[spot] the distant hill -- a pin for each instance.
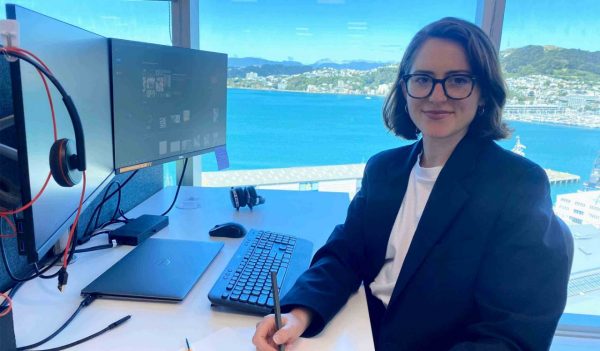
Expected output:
(238, 67)
(268, 70)
(357, 65)
(527, 60)
(255, 61)
(551, 61)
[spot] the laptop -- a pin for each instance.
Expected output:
(156, 270)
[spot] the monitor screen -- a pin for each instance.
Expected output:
(168, 103)
(79, 60)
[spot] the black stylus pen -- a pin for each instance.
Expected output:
(277, 306)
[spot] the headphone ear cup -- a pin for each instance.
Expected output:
(251, 192)
(238, 197)
(253, 198)
(60, 166)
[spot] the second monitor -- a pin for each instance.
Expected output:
(168, 103)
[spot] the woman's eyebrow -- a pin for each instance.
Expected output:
(460, 71)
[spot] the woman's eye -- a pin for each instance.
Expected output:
(459, 80)
(421, 80)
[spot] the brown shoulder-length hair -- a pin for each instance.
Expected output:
(483, 59)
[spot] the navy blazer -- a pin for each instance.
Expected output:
(488, 266)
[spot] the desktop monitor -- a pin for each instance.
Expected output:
(168, 103)
(79, 60)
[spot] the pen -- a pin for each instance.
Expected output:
(277, 306)
(188, 345)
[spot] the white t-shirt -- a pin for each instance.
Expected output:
(420, 184)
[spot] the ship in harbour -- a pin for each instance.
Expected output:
(519, 148)
(594, 182)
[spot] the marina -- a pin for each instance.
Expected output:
(314, 174)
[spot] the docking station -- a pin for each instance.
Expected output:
(139, 229)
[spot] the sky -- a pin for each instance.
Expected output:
(337, 30)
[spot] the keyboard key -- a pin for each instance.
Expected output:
(262, 300)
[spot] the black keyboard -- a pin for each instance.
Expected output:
(245, 283)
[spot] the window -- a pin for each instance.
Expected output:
(147, 21)
(307, 79)
(548, 55)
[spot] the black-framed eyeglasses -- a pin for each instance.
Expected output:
(455, 86)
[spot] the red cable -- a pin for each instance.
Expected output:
(74, 225)
(26, 206)
(51, 105)
(4, 214)
(23, 51)
(11, 225)
(9, 308)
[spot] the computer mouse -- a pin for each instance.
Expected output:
(228, 230)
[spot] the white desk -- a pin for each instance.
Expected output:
(39, 308)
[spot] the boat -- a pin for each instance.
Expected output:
(594, 182)
(518, 148)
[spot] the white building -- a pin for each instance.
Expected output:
(579, 208)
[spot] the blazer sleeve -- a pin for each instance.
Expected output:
(521, 287)
(335, 271)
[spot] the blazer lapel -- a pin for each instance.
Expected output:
(447, 198)
(385, 205)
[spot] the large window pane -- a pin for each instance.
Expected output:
(550, 55)
(307, 78)
(147, 21)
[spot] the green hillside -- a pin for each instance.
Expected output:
(551, 61)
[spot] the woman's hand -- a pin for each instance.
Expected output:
(294, 324)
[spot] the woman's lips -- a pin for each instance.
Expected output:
(437, 114)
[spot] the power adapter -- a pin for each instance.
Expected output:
(139, 229)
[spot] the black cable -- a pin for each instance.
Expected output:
(100, 233)
(11, 294)
(95, 248)
(178, 187)
(86, 302)
(57, 259)
(40, 273)
(12, 276)
(123, 215)
(114, 221)
(101, 205)
(117, 207)
(84, 237)
(80, 341)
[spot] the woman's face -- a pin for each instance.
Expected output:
(437, 116)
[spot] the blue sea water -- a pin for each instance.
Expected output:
(272, 129)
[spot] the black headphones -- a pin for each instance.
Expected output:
(67, 162)
(245, 196)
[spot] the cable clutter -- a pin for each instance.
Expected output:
(67, 167)
(67, 164)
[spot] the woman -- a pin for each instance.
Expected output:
(453, 237)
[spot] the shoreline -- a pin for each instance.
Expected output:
(507, 119)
